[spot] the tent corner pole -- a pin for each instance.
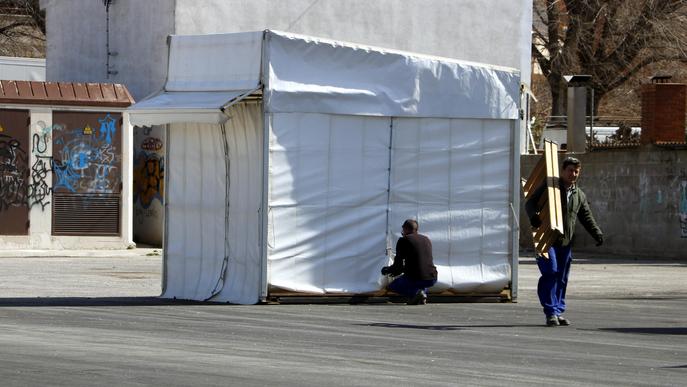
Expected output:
(515, 203)
(266, 125)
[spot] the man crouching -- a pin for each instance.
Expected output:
(414, 260)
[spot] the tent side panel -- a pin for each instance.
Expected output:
(195, 211)
(215, 62)
(244, 133)
(327, 202)
(453, 176)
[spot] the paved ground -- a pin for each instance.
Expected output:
(91, 318)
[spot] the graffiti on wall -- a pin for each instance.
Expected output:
(13, 173)
(149, 173)
(86, 159)
(682, 209)
(39, 191)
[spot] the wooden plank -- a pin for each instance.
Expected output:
(535, 177)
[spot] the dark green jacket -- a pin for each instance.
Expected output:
(578, 208)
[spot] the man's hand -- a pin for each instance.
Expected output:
(386, 270)
(535, 221)
(599, 240)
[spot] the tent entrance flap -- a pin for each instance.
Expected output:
(186, 106)
(213, 184)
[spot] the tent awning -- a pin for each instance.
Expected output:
(185, 106)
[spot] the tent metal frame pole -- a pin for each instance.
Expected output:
(266, 127)
(515, 203)
(165, 225)
(388, 188)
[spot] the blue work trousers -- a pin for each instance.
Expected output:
(554, 279)
(409, 287)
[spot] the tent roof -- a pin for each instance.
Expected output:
(305, 74)
(186, 106)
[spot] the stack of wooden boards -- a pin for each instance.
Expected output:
(549, 205)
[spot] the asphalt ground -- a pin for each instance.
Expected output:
(93, 318)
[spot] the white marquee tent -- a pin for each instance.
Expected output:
(292, 162)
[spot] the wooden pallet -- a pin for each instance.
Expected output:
(550, 208)
(381, 296)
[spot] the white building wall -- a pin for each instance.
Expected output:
(22, 69)
(488, 31)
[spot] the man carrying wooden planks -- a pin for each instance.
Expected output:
(555, 268)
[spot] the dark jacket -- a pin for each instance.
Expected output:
(414, 258)
(577, 208)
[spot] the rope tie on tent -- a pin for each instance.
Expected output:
(515, 216)
(225, 262)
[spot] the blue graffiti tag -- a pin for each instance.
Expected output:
(108, 128)
(66, 176)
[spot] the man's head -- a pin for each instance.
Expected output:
(409, 227)
(570, 171)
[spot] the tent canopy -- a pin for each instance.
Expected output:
(207, 73)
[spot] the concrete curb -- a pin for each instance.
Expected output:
(28, 253)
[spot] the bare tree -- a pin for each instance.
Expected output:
(611, 40)
(22, 28)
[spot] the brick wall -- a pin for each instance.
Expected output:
(663, 112)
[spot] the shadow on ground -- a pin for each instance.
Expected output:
(92, 301)
(442, 327)
(649, 331)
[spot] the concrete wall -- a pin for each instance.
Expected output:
(638, 197)
(77, 42)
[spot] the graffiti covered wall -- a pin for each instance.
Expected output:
(86, 153)
(149, 174)
(638, 196)
(14, 172)
(87, 173)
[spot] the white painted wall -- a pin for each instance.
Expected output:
(22, 69)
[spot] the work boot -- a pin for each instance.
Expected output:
(420, 298)
(552, 321)
(563, 321)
